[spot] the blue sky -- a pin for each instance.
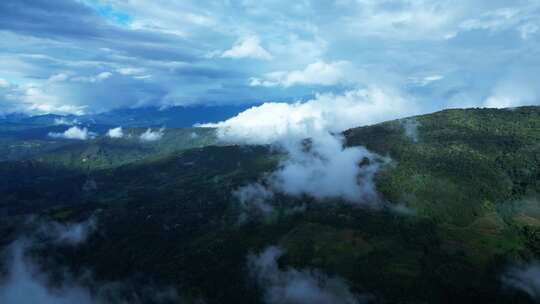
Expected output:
(87, 56)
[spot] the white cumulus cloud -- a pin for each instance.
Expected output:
(324, 169)
(150, 135)
(321, 167)
(317, 73)
(275, 121)
(249, 47)
(73, 133)
(115, 132)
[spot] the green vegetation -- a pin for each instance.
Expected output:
(102, 152)
(166, 213)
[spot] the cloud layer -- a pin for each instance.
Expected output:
(95, 55)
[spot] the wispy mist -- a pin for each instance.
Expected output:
(27, 282)
(293, 286)
(410, 126)
(68, 233)
(525, 279)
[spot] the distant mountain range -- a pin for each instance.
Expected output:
(171, 117)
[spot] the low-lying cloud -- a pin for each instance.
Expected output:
(115, 132)
(293, 286)
(149, 135)
(27, 282)
(324, 169)
(73, 133)
(278, 121)
(525, 279)
(68, 233)
(318, 164)
(410, 126)
(255, 196)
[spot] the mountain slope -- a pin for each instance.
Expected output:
(467, 183)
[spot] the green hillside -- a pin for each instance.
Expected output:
(103, 152)
(467, 184)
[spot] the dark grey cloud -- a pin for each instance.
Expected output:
(44, 18)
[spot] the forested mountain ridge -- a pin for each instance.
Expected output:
(458, 205)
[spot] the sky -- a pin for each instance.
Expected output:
(91, 56)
